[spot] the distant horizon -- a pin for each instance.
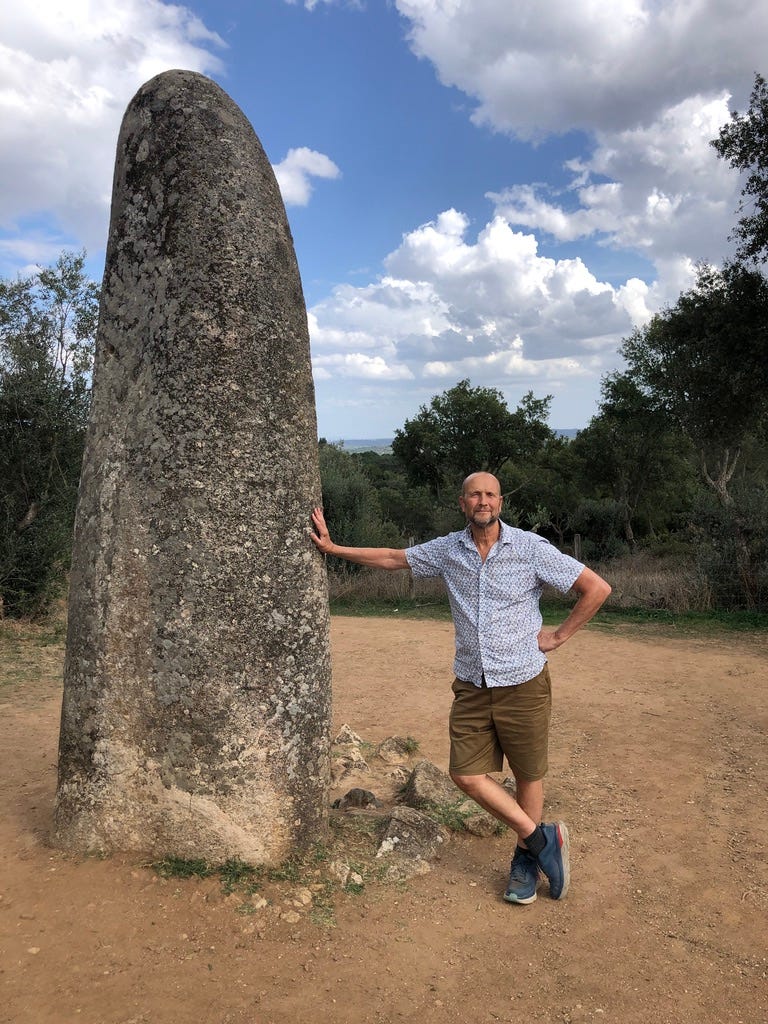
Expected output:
(373, 443)
(391, 437)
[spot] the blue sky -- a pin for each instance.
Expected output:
(477, 188)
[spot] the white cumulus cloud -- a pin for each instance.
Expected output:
(310, 5)
(491, 308)
(648, 84)
(670, 196)
(67, 73)
(539, 66)
(295, 172)
(360, 365)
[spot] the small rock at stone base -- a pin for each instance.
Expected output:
(346, 735)
(394, 750)
(357, 798)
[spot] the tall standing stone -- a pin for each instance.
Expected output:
(197, 680)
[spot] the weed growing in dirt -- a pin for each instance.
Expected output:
(183, 867)
(288, 871)
(323, 909)
(353, 887)
(411, 746)
(236, 875)
(455, 816)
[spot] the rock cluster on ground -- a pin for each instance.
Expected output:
(409, 808)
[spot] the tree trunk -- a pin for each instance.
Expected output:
(719, 479)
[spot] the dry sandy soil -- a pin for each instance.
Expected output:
(658, 764)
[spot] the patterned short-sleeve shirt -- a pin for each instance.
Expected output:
(495, 604)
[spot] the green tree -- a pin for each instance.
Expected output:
(632, 453)
(350, 501)
(47, 328)
(543, 490)
(732, 547)
(704, 362)
(409, 506)
(468, 429)
(600, 522)
(743, 143)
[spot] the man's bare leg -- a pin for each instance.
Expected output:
(530, 797)
(522, 815)
(551, 841)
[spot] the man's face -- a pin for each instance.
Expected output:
(481, 500)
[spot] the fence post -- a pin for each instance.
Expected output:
(577, 546)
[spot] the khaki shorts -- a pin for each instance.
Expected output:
(489, 723)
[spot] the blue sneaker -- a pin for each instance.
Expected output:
(523, 877)
(554, 859)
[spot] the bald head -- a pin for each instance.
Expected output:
(487, 481)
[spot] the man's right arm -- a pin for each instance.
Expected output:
(379, 558)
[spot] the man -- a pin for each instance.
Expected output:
(494, 575)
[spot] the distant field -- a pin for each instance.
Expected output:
(383, 445)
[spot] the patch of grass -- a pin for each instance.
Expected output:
(685, 622)
(289, 871)
(299, 864)
(184, 867)
(553, 612)
(319, 853)
(236, 875)
(323, 910)
(411, 746)
(452, 815)
(352, 886)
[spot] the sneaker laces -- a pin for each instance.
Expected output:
(522, 865)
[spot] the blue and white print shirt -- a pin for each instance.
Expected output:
(495, 604)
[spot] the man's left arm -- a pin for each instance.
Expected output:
(592, 590)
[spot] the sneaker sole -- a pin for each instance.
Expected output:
(565, 853)
(523, 902)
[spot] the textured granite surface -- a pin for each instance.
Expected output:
(197, 682)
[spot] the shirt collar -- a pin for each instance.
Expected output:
(506, 535)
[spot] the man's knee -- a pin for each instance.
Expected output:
(469, 784)
(528, 785)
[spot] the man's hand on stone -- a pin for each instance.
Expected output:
(321, 538)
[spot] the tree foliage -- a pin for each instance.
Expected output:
(351, 502)
(704, 361)
(47, 329)
(743, 143)
(468, 429)
(631, 452)
(731, 547)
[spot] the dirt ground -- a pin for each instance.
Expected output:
(659, 764)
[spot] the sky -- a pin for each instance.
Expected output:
(492, 190)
